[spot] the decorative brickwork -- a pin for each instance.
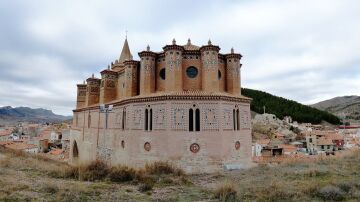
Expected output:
(182, 105)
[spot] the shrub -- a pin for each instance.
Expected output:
(146, 186)
(65, 172)
(331, 193)
(97, 170)
(226, 191)
(158, 168)
(121, 174)
(345, 186)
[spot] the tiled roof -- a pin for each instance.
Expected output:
(20, 146)
(56, 151)
(324, 141)
(5, 132)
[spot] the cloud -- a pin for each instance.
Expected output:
(302, 50)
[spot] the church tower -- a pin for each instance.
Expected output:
(173, 70)
(233, 72)
(210, 61)
(147, 71)
(92, 90)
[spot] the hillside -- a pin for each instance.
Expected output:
(283, 107)
(340, 106)
(10, 115)
(33, 178)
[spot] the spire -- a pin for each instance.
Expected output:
(232, 50)
(209, 42)
(125, 53)
(174, 42)
(148, 48)
(189, 41)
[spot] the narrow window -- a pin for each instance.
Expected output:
(123, 120)
(197, 120)
(234, 119)
(146, 119)
(191, 120)
(89, 120)
(150, 119)
(238, 119)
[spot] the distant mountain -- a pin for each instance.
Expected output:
(9, 115)
(283, 107)
(348, 106)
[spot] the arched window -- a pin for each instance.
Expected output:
(150, 120)
(162, 74)
(197, 120)
(237, 120)
(146, 119)
(75, 150)
(234, 119)
(89, 120)
(123, 119)
(191, 120)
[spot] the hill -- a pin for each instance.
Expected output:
(10, 115)
(34, 178)
(348, 106)
(283, 107)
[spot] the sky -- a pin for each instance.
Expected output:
(303, 50)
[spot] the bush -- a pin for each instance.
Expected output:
(121, 174)
(158, 168)
(226, 191)
(331, 193)
(96, 170)
(65, 172)
(146, 186)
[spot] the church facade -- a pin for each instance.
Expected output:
(182, 105)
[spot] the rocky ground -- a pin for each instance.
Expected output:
(28, 178)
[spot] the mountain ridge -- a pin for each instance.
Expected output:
(347, 107)
(11, 115)
(282, 107)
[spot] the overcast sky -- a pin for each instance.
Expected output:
(303, 50)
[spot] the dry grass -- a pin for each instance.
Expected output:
(26, 177)
(121, 174)
(159, 168)
(226, 191)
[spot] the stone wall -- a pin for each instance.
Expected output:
(207, 150)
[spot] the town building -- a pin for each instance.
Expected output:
(182, 105)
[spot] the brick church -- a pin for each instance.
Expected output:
(182, 105)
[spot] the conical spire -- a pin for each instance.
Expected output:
(125, 53)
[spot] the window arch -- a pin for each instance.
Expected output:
(236, 118)
(148, 119)
(194, 119)
(197, 119)
(191, 120)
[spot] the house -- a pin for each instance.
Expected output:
(256, 149)
(5, 134)
(289, 149)
(337, 139)
(271, 151)
(29, 148)
(325, 145)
